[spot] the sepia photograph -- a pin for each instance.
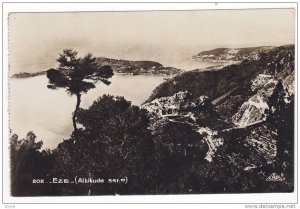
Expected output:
(174, 102)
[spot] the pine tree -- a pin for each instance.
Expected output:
(78, 75)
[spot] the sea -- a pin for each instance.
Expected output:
(48, 113)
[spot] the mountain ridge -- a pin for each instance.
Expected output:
(231, 54)
(217, 77)
(242, 100)
(121, 66)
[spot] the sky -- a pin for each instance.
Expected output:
(35, 39)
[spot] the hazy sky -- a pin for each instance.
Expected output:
(35, 39)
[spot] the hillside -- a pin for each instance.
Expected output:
(122, 67)
(211, 83)
(138, 67)
(223, 130)
(244, 114)
(215, 82)
(231, 54)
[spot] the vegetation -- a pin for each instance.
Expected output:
(122, 67)
(211, 83)
(119, 144)
(114, 143)
(166, 155)
(138, 67)
(77, 75)
(281, 118)
(29, 162)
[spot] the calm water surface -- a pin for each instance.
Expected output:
(48, 113)
(34, 107)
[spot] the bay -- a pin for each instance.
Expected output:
(48, 113)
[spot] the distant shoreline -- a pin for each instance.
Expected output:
(221, 56)
(31, 75)
(122, 67)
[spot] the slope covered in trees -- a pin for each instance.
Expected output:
(223, 131)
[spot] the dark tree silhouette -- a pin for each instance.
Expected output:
(281, 117)
(116, 142)
(78, 75)
(277, 105)
(29, 162)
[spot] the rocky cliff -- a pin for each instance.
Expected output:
(240, 111)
